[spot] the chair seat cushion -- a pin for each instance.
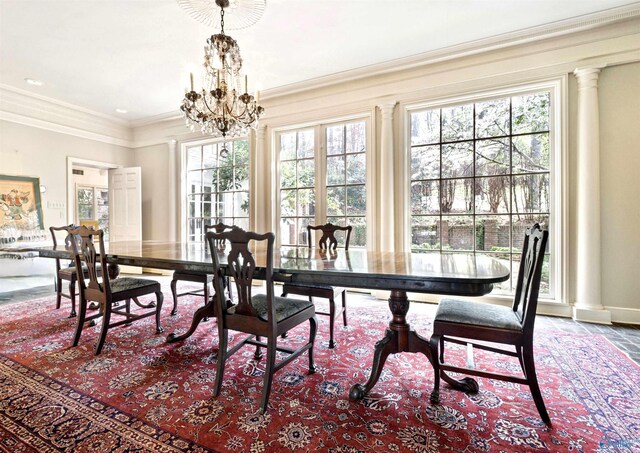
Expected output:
(477, 314)
(284, 307)
(305, 290)
(71, 270)
(129, 283)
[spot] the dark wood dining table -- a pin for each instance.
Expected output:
(459, 274)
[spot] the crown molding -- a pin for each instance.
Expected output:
(31, 109)
(67, 130)
(524, 36)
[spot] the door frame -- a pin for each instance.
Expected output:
(71, 161)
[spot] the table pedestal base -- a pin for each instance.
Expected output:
(400, 338)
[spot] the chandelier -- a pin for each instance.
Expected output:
(223, 108)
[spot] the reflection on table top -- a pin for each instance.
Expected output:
(427, 272)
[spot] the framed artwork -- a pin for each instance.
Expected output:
(20, 205)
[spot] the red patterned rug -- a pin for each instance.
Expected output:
(143, 394)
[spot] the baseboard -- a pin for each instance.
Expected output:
(624, 315)
(595, 316)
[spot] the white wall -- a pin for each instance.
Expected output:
(154, 161)
(620, 188)
(30, 151)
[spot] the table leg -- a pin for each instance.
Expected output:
(398, 338)
(201, 313)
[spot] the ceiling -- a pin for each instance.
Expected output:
(136, 55)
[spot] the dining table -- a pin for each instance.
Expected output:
(444, 273)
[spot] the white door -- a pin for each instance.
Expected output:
(125, 208)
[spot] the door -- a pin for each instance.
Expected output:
(125, 208)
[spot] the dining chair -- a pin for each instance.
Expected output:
(259, 315)
(108, 292)
(203, 278)
(466, 322)
(327, 242)
(67, 272)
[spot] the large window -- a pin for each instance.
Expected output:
(480, 175)
(323, 180)
(217, 180)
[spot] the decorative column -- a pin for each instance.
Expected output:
(588, 282)
(260, 192)
(386, 188)
(173, 214)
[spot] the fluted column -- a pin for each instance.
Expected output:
(386, 188)
(588, 280)
(172, 176)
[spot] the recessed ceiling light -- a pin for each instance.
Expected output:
(34, 82)
(121, 111)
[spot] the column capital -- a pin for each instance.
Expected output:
(587, 77)
(172, 143)
(386, 108)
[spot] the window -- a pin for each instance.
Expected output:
(217, 180)
(480, 175)
(92, 203)
(323, 182)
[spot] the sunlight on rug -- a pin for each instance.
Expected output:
(143, 394)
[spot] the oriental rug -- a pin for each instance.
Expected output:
(142, 394)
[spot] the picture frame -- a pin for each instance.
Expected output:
(20, 203)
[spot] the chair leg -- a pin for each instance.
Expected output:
(435, 344)
(159, 300)
(332, 315)
(344, 307)
(106, 319)
(206, 299)
(284, 335)
(258, 354)
(313, 328)
(81, 317)
(222, 358)
(175, 297)
(72, 294)
(532, 380)
(127, 310)
(58, 292)
(268, 372)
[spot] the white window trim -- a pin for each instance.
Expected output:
(558, 303)
(319, 128)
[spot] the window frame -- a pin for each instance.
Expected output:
(184, 189)
(320, 161)
(558, 174)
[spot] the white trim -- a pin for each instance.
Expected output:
(595, 316)
(67, 130)
(624, 315)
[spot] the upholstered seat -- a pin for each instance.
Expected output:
(473, 313)
(284, 307)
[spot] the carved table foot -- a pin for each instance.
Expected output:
(198, 316)
(398, 338)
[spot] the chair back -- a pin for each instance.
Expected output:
(241, 268)
(218, 228)
(525, 302)
(67, 239)
(85, 250)
(328, 239)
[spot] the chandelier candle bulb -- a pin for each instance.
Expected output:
(191, 77)
(246, 90)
